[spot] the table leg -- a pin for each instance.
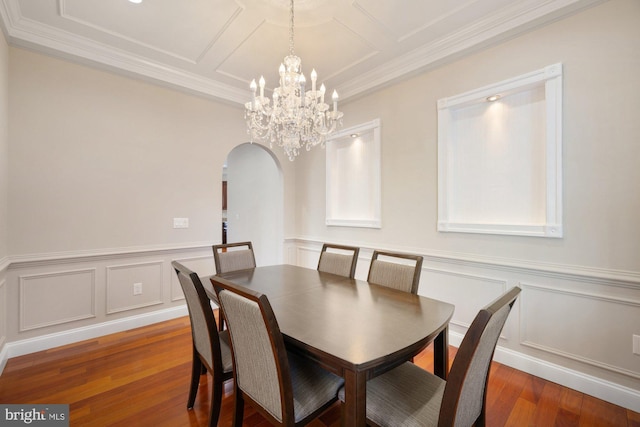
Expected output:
(354, 411)
(441, 354)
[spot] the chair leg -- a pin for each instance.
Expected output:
(238, 413)
(216, 401)
(196, 369)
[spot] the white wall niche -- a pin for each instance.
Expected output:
(500, 162)
(353, 181)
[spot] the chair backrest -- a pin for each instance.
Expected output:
(395, 275)
(204, 330)
(464, 399)
(340, 260)
(233, 256)
(261, 367)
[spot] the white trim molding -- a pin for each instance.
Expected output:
(45, 342)
(588, 384)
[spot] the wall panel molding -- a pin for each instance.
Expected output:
(469, 311)
(569, 272)
(105, 254)
(176, 289)
(120, 281)
(54, 298)
(616, 325)
(4, 264)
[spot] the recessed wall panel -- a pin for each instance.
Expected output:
(3, 309)
(53, 298)
(203, 266)
(598, 330)
(122, 281)
(469, 292)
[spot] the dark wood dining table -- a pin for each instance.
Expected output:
(352, 328)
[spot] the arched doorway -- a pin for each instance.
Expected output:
(255, 201)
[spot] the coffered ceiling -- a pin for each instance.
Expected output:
(215, 47)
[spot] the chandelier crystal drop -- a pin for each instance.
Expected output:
(297, 117)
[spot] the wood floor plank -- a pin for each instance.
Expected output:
(141, 378)
(548, 405)
(596, 412)
(521, 414)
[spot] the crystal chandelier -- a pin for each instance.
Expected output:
(297, 117)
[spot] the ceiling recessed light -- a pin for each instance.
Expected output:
(493, 98)
(354, 135)
(135, 1)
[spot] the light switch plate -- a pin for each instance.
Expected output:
(180, 222)
(636, 344)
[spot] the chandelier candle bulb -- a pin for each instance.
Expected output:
(281, 71)
(314, 77)
(253, 87)
(262, 82)
(334, 97)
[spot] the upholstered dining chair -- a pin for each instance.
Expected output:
(338, 259)
(388, 272)
(211, 351)
(233, 256)
(285, 388)
(409, 396)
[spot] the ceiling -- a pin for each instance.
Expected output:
(215, 47)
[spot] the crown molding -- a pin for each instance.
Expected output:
(516, 19)
(513, 20)
(52, 41)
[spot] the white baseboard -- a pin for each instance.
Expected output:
(593, 386)
(45, 342)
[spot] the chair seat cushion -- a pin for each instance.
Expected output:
(407, 396)
(313, 386)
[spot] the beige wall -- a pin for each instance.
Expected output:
(600, 52)
(103, 161)
(4, 185)
(4, 145)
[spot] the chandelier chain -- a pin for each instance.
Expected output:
(291, 51)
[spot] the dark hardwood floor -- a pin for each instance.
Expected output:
(141, 377)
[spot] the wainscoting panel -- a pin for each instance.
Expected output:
(572, 325)
(308, 256)
(3, 309)
(596, 332)
(203, 266)
(121, 280)
(448, 285)
(58, 297)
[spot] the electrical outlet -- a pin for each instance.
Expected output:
(636, 344)
(137, 289)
